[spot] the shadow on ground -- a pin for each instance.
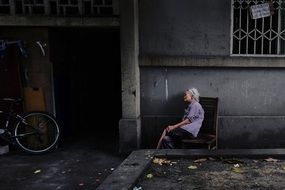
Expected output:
(83, 164)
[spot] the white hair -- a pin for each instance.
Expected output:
(194, 93)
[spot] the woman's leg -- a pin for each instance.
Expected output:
(174, 137)
(167, 143)
(160, 140)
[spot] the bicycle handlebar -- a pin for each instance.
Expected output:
(12, 100)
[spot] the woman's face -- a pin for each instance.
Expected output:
(187, 96)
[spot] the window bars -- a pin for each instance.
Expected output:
(263, 36)
(59, 7)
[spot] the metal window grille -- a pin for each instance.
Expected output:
(30, 7)
(68, 7)
(98, 7)
(263, 36)
(60, 7)
(5, 7)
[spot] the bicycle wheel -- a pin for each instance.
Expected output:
(38, 133)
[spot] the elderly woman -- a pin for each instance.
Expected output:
(189, 126)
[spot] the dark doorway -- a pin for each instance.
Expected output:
(87, 82)
(11, 68)
(10, 78)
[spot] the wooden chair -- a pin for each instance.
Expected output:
(207, 136)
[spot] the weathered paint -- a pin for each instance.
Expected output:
(184, 27)
(129, 125)
(192, 40)
(166, 87)
(245, 96)
(251, 132)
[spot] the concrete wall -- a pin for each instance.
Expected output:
(187, 43)
(242, 91)
(130, 124)
(184, 27)
(251, 106)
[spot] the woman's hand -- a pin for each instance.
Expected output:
(170, 128)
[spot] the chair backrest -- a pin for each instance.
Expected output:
(210, 106)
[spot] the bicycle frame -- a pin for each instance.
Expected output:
(17, 118)
(8, 117)
(33, 132)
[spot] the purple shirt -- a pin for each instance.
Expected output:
(195, 113)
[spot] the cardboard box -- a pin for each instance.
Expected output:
(34, 99)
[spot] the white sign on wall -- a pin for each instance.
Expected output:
(260, 11)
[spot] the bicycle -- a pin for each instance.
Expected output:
(33, 132)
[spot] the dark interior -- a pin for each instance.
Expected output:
(87, 82)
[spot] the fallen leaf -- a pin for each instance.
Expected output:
(161, 161)
(200, 160)
(211, 158)
(149, 176)
(192, 167)
(236, 165)
(179, 179)
(37, 171)
(237, 170)
(271, 160)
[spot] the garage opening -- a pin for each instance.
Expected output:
(87, 83)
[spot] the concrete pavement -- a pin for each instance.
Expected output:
(75, 165)
(127, 174)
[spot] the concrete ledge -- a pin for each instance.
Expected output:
(4, 149)
(211, 61)
(248, 153)
(128, 173)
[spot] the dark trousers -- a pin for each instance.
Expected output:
(173, 138)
